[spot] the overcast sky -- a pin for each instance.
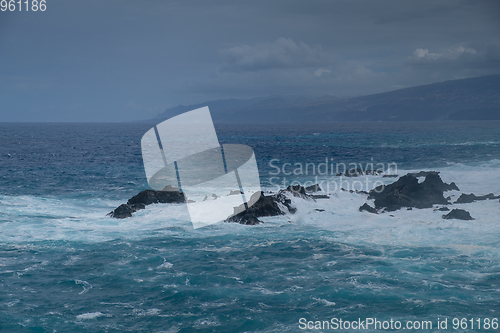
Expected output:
(97, 60)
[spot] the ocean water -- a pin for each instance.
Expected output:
(67, 267)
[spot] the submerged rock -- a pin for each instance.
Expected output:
(458, 214)
(126, 210)
(354, 191)
(468, 198)
(408, 192)
(360, 172)
(367, 208)
(319, 196)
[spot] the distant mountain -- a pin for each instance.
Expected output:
(465, 99)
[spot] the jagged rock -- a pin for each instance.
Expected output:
(264, 206)
(450, 187)
(296, 191)
(319, 210)
(138, 206)
(148, 197)
(313, 188)
(468, 198)
(458, 214)
(408, 192)
(389, 176)
(122, 212)
(144, 198)
(443, 209)
(354, 191)
(367, 208)
(269, 205)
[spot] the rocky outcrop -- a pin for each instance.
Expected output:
(408, 192)
(313, 188)
(458, 214)
(264, 206)
(468, 198)
(146, 197)
(271, 205)
(368, 209)
(125, 210)
(424, 173)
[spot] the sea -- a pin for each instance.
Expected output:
(65, 266)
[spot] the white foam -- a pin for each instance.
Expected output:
(29, 218)
(91, 315)
(417, 227)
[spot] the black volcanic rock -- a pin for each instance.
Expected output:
(468, 198)
(270, 205)
(367, 208)
(265, 206)
(408, 192)
(122, 211)
(444, 186)
(146, 197)
(458, 214)
(313, 188)
(450, 187)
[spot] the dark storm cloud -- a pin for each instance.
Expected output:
(122, 60)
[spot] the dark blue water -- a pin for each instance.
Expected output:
(66, 267)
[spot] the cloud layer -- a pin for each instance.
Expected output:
(120, 60)
(282, 53)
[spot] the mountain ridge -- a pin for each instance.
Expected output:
(461, 99)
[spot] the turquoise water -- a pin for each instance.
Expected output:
(66, 267)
